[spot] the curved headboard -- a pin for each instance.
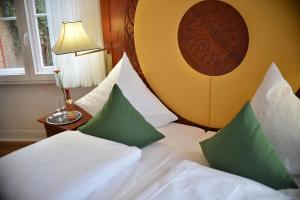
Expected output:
(147, 31)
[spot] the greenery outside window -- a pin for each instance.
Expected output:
(11, 56)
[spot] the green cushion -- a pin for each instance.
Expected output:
(241, 148)
(121, 122)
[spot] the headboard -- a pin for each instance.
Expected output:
(147, 31)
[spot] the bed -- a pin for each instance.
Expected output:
(145, 144)
(101, 160)
(156, 160)
(162, 158)
(142, 178)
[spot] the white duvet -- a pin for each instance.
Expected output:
(189, 180)
(70, 165)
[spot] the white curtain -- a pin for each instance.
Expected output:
(86, 70)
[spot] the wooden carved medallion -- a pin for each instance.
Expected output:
(213, 37)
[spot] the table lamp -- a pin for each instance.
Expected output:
(73, 39)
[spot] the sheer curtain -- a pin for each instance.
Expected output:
(86, 70)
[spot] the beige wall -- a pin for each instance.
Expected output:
(22, 105)
(274, 35)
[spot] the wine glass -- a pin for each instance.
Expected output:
(63, 107)
(58, 109)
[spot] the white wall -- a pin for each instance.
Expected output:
(22, 105)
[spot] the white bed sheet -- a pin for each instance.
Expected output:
(189, 180)
(289, 192)
(181, 143)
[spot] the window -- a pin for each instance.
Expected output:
(11, 58)
(27, 29)
(40, 36)
(25, 41)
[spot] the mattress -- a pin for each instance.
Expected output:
(181, 143)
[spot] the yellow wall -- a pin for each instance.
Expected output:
(274, 35)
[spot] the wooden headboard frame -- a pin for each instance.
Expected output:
(298, 93)
(118, 30)
(118, 34)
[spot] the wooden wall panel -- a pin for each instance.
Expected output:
(118, 30)
(113, 15)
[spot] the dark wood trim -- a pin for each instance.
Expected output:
(7, 147)
(104, 6)
(113, 17)
(298, 93)
(181, 120)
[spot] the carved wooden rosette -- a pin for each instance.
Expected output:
(213, 37)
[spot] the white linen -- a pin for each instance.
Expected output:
(141, 97)
(278, 110)
(133, 88)
(94, 101)
(69, 165)
(181, 142)
(189, 180)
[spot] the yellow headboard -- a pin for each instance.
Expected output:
(274, 35)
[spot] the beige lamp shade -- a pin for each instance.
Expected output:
(74, 39)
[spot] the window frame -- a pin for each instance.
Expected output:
(30, 76)
(32, 17)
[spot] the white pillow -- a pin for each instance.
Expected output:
(133, 89)
(94, 101)
(278, 110)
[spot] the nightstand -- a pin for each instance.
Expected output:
(54, 129)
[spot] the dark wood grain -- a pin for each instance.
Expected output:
(129, 44)
(53, 129)
(298, 93)
(118, 31)
(113, 20)
(105, 20)
(7, 147)
(213, 37)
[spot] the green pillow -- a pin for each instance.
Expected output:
(241, 148)
(121, 122)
